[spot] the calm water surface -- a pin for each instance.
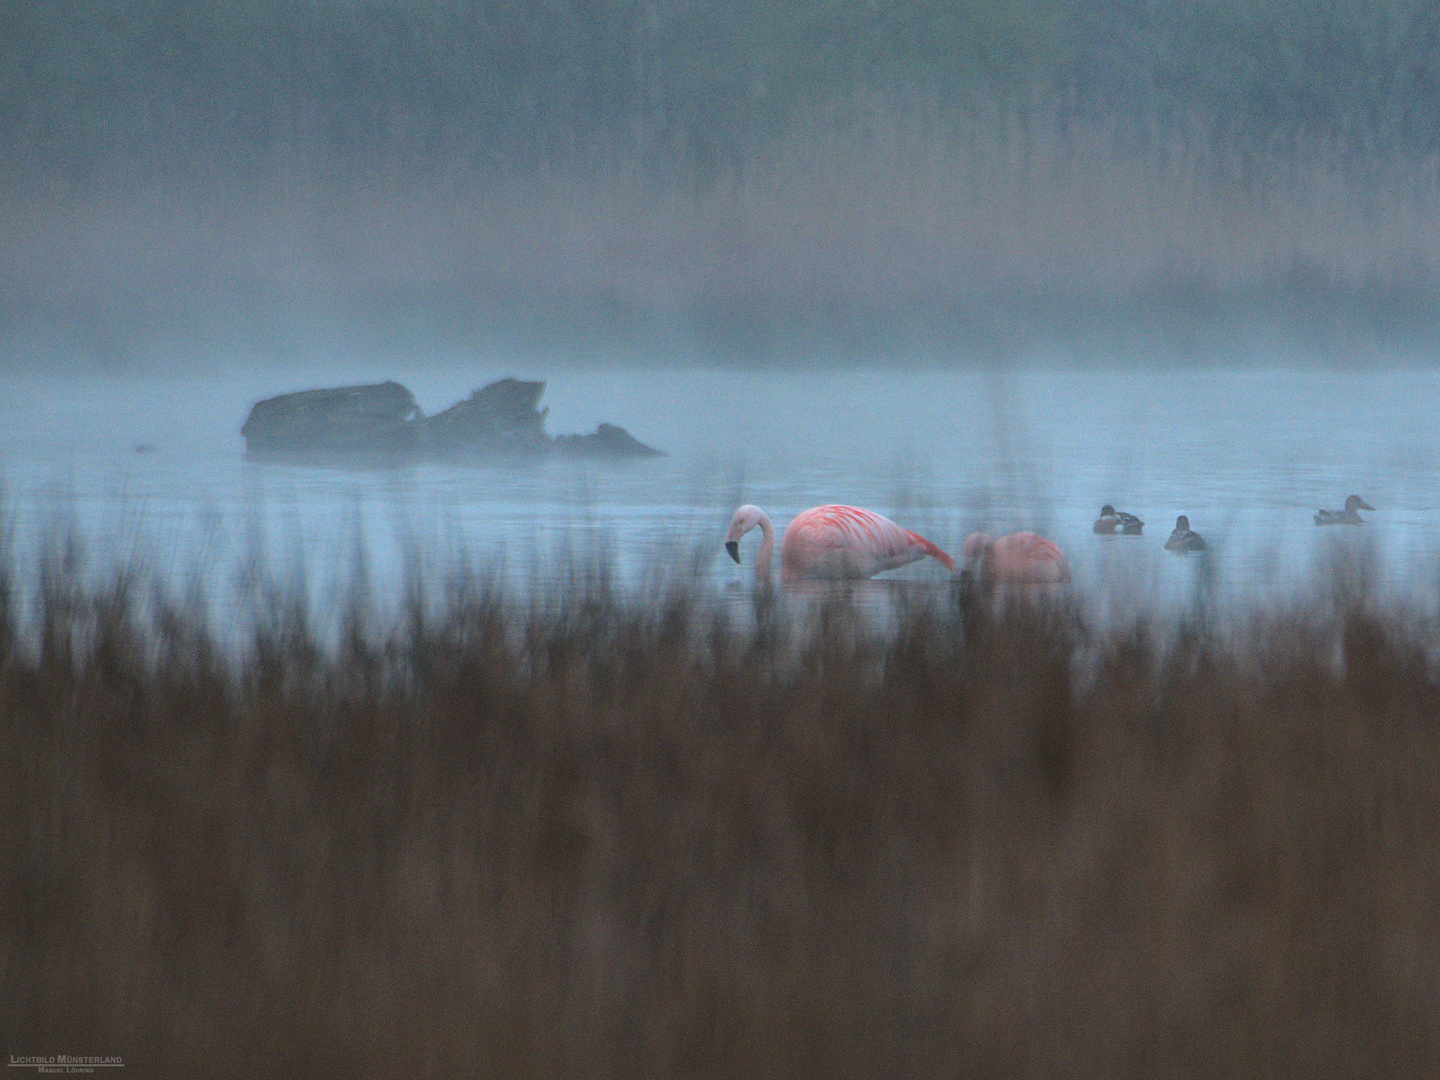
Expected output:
(1248, 456)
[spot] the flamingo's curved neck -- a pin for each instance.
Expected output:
(767, 548)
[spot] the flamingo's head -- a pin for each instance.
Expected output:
(1355, 502)
(977, 544)
(1182, 524)
(745, 519)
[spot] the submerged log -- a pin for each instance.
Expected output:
(499, 418)
(502, 418)
(381, 418)
(607, 440)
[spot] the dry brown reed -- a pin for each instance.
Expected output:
(601, 838)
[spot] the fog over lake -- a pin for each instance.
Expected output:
(972, 267)
(151, 473)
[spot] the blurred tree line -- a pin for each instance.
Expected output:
(92, 88)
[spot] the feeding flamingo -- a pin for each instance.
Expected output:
(831, 542)
(1021, 557)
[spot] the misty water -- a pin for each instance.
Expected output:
(150, 474)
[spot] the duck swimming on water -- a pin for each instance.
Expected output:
(1183, 539)
(1117, 521)
(1348, 516)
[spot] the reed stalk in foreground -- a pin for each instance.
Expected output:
(592, 838)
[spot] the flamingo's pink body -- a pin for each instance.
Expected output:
(832, 542)
(1018, 557)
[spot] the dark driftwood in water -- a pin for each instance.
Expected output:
(501, 418)
(347, 420)
(606, 441)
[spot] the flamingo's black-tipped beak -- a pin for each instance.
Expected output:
(733, 547)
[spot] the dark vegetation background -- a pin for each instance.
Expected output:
(749, 180)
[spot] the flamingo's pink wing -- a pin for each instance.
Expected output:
(852, 541)
(1025, 556)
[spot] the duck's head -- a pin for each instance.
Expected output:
(1182, 524)
(1107, 511)
(1354, 502)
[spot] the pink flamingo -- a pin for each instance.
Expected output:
(1018, 557)
(831, 542)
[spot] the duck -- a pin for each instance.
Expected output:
(1348, 516)
(1183, 539)
(1117, 521)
